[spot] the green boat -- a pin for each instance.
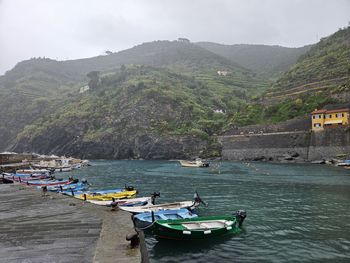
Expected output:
(200, 227)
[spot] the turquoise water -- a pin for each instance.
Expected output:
(296, 212)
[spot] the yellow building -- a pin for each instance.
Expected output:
(323, 119)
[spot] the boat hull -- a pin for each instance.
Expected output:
(181, 230)
(168, 206)
(144, 220)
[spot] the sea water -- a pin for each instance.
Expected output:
(295, 212)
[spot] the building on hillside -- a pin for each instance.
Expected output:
(222, 73)
(329, 118)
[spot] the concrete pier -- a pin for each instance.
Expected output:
(56, 228)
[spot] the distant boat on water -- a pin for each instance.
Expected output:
(196, 163)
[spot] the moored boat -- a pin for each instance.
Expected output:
(145, 220)
(196, 163)
(32, 171)
(124, 202)
(199, 228)
(69, 187)
(167, 206)
(106, 196)
(47, 182)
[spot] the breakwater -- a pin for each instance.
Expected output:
(54, 228)
(294, 145)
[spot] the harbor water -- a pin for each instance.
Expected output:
(295, 212)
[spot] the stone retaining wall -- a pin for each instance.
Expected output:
(276, 146)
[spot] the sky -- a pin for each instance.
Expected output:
(70, 29)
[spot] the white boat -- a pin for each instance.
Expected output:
(63, 169)
(124, 202)
(32, 171)
(167, 206)
(196, 163)
(344, 163)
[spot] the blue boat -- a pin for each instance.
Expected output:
(145, 220)
(69, 187)
(99, 192)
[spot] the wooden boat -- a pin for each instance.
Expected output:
(26, 177)
(167, 206)
(107, 196)
(199, 228)
(47, 183)
(63, 169)
(69, 187)
(124, 202)
(32, 171)
(144, 220)
(196, 163)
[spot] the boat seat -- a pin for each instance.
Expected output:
(206, 225)
(191, 226)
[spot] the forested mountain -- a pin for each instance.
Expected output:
(40, 87)
(164, 99)
(262, 59)
(133, 113)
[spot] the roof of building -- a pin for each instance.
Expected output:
(337, 106)
(330, 111)
(318, 111)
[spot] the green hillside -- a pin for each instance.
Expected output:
(129, 104)
(39, 87)
(324, 68)
(321, 76)
(262, 59)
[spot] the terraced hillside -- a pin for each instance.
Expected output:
(270, 61)
(325, 68)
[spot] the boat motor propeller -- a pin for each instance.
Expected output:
(240, 216)
(198, 200)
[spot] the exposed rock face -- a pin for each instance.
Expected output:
(61, 142)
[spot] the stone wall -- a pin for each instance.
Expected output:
(329, 144)
(300, 145)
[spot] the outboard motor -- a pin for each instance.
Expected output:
(240, 216)
(153, 197)
(198, 200)
(129, 188)
(84, 181)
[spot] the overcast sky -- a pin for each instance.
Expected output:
(69, 29)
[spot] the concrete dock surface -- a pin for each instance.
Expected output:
(54, 228)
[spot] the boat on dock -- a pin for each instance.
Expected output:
(196, 163)
(199, 227)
